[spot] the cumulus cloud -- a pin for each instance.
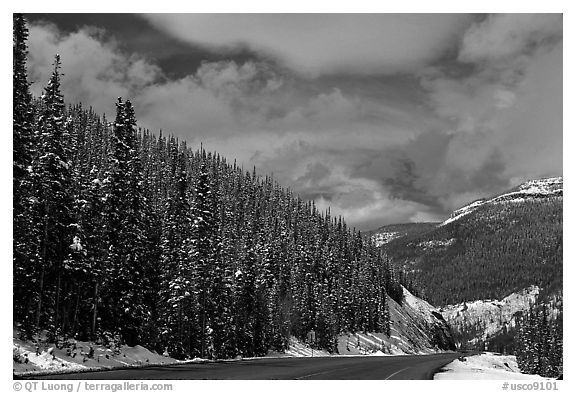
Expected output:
(95, 70)
(324, 43)
(506, 116)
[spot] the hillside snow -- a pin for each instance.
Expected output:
(551, 187)
(488, 317)
(416, 327)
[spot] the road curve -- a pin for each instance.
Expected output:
(323, 368)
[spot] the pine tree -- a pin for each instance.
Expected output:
(23, 149)
(126, 236)
(52, 171)
(177, 296)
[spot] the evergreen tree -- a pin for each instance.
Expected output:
(538, 341)
(126, 235)
(52, 179)
(23, 148)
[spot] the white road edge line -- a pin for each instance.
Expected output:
(399, 371)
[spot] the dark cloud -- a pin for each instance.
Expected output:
(135, 35)
(317, 44)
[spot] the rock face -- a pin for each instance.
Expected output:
(416, 327)
(421, 319)
(477, 321)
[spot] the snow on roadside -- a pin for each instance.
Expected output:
(74, 357)
(490, 366)
(45, 360)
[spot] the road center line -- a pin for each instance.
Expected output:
(399, 371)
(322, 372)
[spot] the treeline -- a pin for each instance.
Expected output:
(121, 235)
(488, 254)
(539, 340)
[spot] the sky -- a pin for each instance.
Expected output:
(384, 118)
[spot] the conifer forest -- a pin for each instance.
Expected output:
(122, 235)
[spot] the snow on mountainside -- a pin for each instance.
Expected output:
(488, 317)
(384, 237)
(532, 189)
(387, 233)
(551, 187)
(416, 327)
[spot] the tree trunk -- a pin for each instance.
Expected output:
(42, 273)
(57, 307)
(76, 307)
(40, 294)
(95, 311)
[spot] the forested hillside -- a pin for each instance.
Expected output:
(488, 249)
(123, 235)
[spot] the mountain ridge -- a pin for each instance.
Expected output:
(488, 248)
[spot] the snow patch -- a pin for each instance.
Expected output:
(463, 211)
(385, 237)
(437, 244)
(45, 360)
(77, 355)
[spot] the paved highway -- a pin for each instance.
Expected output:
(327, 368)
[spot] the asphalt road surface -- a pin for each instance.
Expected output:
(327, 368)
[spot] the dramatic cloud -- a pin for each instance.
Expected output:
(507, 115)
(376, 148)
(324, 43)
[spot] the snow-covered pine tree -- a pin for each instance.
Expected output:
(178, 297)
(538, 341)
(23, 152)
(22, 114)
(53, 181)
(206, 255)
(126, 234)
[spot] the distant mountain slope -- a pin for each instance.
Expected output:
(533, 189)
(489, 248)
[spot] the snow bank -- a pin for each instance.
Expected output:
(485, 366)
(76, 357)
